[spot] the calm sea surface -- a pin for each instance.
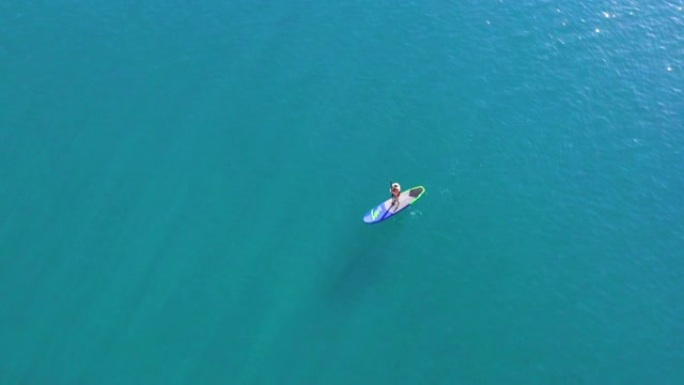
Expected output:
(182, 187)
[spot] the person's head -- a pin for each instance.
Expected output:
(395, 186)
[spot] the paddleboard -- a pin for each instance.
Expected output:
(383, 212)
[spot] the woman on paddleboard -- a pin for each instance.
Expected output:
(395, 190)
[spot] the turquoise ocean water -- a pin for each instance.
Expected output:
(183, 185)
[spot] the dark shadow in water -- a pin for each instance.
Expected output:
(358, 263)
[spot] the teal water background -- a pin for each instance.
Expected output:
(183, 185)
